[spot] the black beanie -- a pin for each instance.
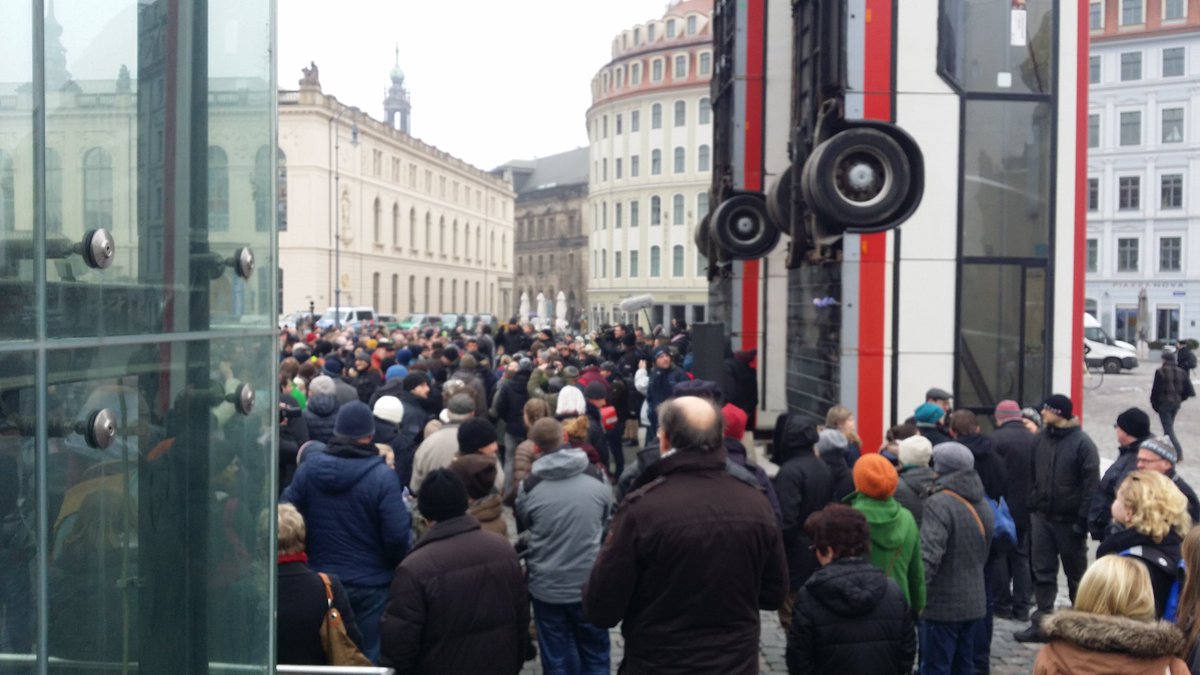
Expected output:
(443, 496)
(1134, 422)
(413, 380)
(474, 435)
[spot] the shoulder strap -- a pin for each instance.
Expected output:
(974, 513)
(328, 589)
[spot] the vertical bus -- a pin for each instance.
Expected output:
(898, 203)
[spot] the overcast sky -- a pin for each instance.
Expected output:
(490, 81)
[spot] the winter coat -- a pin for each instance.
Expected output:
(344, 391)
(1100, 510)
(913, 488)
(935, 433)
(366, 384)
(737, 454)
(850, 618)
(804, 486)
(1095, 644)
(354, 510)
(510, 404)
(320, 416)
(953, 548)
(523, 458)
(1066, 471)
(478, 474)
(1185, 358)
(1160, 558)
(662, 382)
(435, 452)
(840, 475)
(895, 545)
(457, 605)
(476, 388)
(592, 374)
(565, 504)
(1193, 502)
(489, 511)
(988, 464)
(1172, 387)
(302, 608)
(1015, 444)
(741, 384)
(678, 614)
(291, 436)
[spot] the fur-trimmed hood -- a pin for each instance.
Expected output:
(1097, 632)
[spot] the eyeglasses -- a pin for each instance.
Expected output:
(1150, 460)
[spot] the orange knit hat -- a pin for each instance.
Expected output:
(875, 477)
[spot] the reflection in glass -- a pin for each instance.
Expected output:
(97, 189)
(989, 350)
(218, 189)
(8, 195)
(977, 52)
(54, 191)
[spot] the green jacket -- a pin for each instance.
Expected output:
(895, 545)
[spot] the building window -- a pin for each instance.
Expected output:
(616, 264)
(677, 261)
(1172, 191)
(604, 126)
(377, 223)
(218, 189)
(618, 124)
(412, 228)
(655, 210)
(1129, 194)
(691, 25)
(671, 28)
(656, 70)
(1172, 62)
(654, 262)
(617, 169)
(703, 159)
(395, 226)
(617, 220)
(680, 113)
(1096, 15)
(1093, 194)
(604, 215)
(604, 169)
(1131, 66)
(705, 63)
(635, 167)
(1131, 127)
(635, 74)
(705, 110)
(677, 210)
(655, 162)
(681, 64)
(701, 205)
(1174, 10)
(1127, 255)
(652, 32)
(635, 120)
(603, 264)
(1170, 254)
(1093, 131)
(8, 193)
(656, 116)
(1093, 70)
(633, 264)
(1168, 324)
(1131, 12)
(680, 160)
(1093, 254)
(1172, 125)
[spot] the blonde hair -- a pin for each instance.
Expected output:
(836, 417)
(1116, 585)
(576, 428)
(1154, 504)
(291, 529)
(535, 409)
(1189, 597)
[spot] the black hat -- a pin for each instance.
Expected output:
(413, 380)
(450, 353)
(705, 389)
(474, 435)
(333, 366)
(354, 420)
(594, 390)
(1134, 422)
(443, 496)
(1059, 405)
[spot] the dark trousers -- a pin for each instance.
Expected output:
(983, 627)
(569, 645)
(1013, 581)
(616, 448)
(1050, 542)
(1166, 415)
(948, 647)
(368, 604)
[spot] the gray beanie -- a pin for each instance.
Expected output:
(950, 457)
(322, 384)
(831, 439)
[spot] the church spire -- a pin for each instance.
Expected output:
(396, 105)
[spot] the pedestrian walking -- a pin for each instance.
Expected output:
(1172, 386)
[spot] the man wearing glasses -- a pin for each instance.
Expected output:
(1157, 454)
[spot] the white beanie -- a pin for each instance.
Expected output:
(571, 402)
(915, 451)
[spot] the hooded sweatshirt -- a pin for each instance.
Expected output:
(320, 415)
(895, 545)
(565, 504)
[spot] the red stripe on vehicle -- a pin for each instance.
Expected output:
(752, 163)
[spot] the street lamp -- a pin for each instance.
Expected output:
(337, 213)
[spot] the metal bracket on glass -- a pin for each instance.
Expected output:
(242, 399)
(97, 248)
(242, 262)
(99, 430)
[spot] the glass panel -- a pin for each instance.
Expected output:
(1034, 387)
(18, 503)
(1006, 197)
(989, 349)
(978, 56)
(17, 299)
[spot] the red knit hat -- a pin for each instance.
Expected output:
(875, 477)
(735, 421)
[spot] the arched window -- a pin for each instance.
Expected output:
(218, 189)
(701, 205)
(680, 113)
(541, 265)
(656, 116)
(704, 159)
(377, 210)
(454, 239)
(655, 210)
(442, 236)
(395, 224)
(453, 295)
(467, 241)
(680, 160)
(655, 262)
(441, 296)
(54, 191)
(705, 63)
(504, 250)
(492, 247)
(262, 189)
(428, 307)
(412, 228)
(677, 261)
(677, 210)
(8, 193)
(412, 293)
(395, 294)
(603, 263)
(705, 110)
(428, 233)
(655, 162)
(479, 243)
(375, 290)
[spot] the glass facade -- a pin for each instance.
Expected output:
(140, 190)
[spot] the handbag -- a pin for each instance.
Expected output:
(340, 650)
(609, 418)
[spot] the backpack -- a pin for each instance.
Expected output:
(1147, 555)
(1004, 535)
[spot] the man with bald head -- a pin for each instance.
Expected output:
(692, 555)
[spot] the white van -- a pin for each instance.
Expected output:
(1101, 351)
(351, 317)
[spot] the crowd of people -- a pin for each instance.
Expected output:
(466, 496)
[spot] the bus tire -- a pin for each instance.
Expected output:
(858, 177)
(742, 228)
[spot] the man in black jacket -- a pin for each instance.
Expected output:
(1066, 471)
(1132, 427)
(1172, 387)
(1013, 581)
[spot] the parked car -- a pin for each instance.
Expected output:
(295, 318)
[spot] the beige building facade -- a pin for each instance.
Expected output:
(650, 127)
(417, 230)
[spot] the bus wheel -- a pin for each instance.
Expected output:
(741, 227)
(859, 177)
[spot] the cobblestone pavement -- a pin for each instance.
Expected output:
(1102, 404)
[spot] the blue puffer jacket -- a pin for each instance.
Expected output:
(357, 521)
(320, 414)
